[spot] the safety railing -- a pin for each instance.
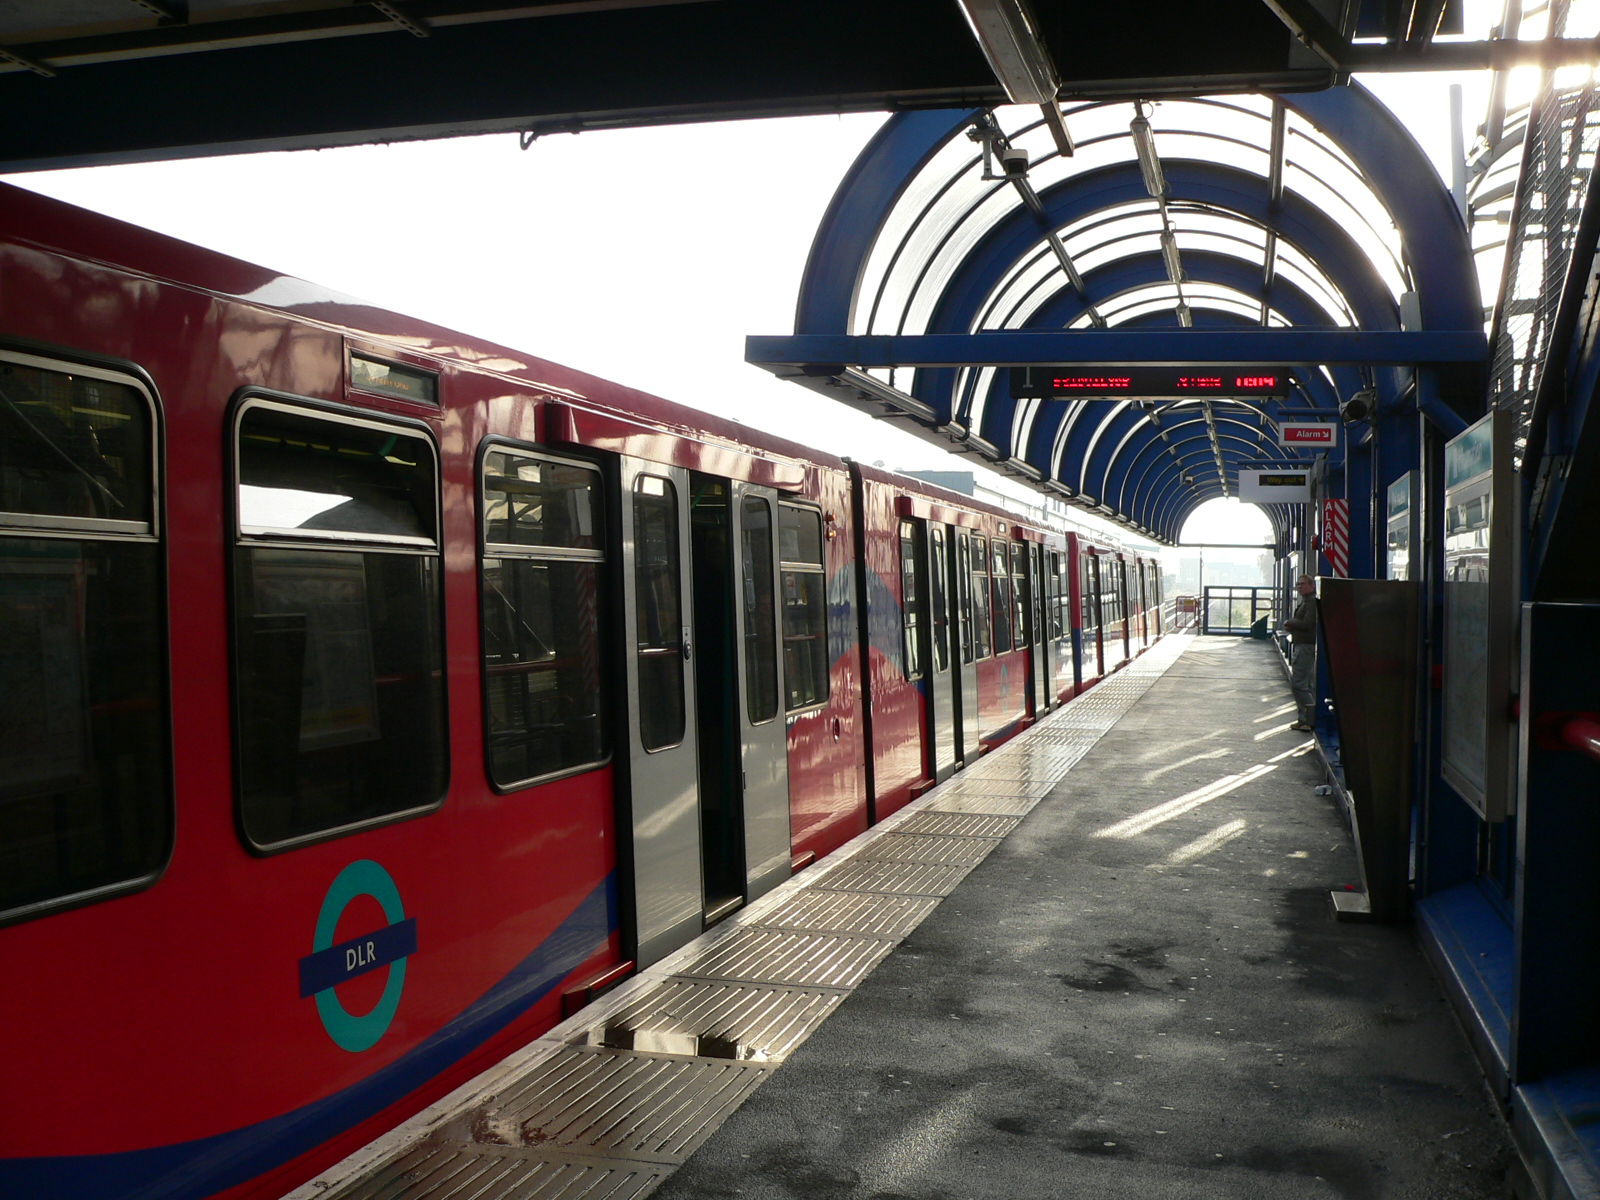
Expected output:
(1180, 613)
(1238, 610)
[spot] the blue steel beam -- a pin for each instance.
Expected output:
(827, 354)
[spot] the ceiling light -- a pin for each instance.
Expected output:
(1169, 256)
(1144, 145)
(1010, 41)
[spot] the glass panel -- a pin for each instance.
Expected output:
(1002, 598)
(760, 617)
(307, 475)
(980, 597)
(938, 587)
(1089, 598)
(910, 602)
(530, 502)
(964, 596)
(73, 446)
(800, 536)
(85, 799)
(1022, 599)
(340, 688)
(659, 627)
(541, 655)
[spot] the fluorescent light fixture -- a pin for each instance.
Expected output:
(1144, 145)
(1010, 41)
(1169, 256)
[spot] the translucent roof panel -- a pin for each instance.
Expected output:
(961, 197)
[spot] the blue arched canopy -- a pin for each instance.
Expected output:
(1307, 230)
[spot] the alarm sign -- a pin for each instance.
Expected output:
(1307, 433)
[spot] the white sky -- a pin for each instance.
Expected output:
(644, 256)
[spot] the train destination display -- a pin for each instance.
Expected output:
(1102, 381)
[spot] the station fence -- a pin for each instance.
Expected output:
(1237, 610)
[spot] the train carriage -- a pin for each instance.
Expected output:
(376, 695)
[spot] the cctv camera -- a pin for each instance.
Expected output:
(1014, 161)
(1359, 407)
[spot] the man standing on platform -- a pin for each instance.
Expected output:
(1302, 630)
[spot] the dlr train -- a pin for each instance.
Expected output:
(371, 697)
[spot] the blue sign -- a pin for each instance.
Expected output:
(331, 964)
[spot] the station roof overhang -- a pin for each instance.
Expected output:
(87, 82)
(1299, 230)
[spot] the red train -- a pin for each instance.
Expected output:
(371, 695)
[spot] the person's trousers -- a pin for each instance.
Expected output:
(1303, 678)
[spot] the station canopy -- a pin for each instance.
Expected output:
(1201, 233)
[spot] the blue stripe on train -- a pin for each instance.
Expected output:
(189, 1170)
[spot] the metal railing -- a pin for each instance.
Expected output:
(1237, 610)
(1180, 613)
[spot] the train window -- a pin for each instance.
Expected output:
(338, 659)
(938, 589)
(910, 602)
(805, 607)
(760, 618)
(1000, 582)
(543, 594)
(981, 633)
(964, 596)
(1058, 610)
(1089, 597)
(85, 791)
(1021, 595)
(658, 624)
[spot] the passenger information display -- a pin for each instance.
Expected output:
(1098, 381)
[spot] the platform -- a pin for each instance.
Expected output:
(1101, 962)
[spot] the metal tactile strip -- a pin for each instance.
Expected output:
(454, 1171)
(909, 879)
(917, 848)
(966, 802)
(614, 1104)
(865, 913)
(756, 955)
(950, 824)
(1032, 789)
(749, 1023)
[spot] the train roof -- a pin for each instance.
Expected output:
(82, 233)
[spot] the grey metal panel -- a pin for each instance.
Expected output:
(867, 914)
(755, 955)
(949, 824)
(905, 847)
(909, 879)
(664, 791)
(614, 1104)
(453, 1170)
(717, 1020)
(767, 839)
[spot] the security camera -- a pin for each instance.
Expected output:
(1014, 161)
(1359, 407)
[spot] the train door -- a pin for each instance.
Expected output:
(765, 742)
(664, 787)
(966, 672)
(1040, 645)
(1093, 641)
(941, 682)
(743, 747)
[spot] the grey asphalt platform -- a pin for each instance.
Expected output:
(1140, 993)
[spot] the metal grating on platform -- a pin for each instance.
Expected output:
(907, 879)
(967, 802)
(434, 1170)
(707, 1019)
(605, 1106)
(868, 914)
(613, 1104)
(916, 848)
(949, 824)
(756, 955)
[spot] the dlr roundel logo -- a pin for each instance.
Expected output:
(330, 964)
